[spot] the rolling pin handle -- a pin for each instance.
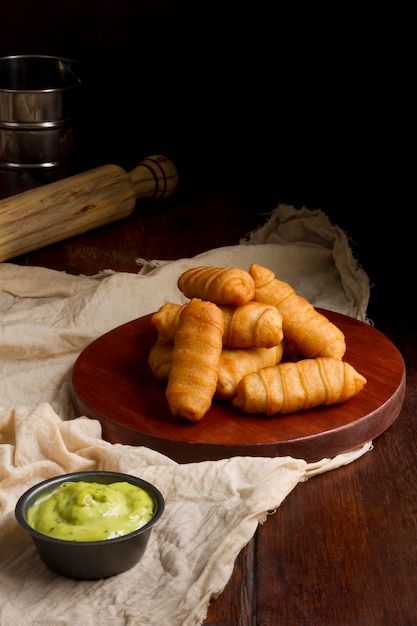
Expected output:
(154, 177)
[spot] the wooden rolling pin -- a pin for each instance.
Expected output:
(71, 206)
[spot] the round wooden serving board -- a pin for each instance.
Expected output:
(112, 382)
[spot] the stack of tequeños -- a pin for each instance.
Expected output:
(250, 339)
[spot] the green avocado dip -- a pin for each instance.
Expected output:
(84, 511)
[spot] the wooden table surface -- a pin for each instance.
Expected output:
(341, 550)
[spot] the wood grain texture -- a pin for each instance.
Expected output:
(74, 205)
(112, 382)
(341, 550)
(38, 217)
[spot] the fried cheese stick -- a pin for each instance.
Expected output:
(252, 325)
(305, 329)
(289, 387)
(195, 364)
(236, 363)
(166, 319)
(221, 285)
(160, 359)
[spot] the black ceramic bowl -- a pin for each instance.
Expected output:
(90, 559)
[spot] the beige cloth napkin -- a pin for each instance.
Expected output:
(212, 508)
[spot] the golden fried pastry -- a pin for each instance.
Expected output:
(289, 387)
(235, 364)
(221, 285)
(166, 320)
(305, 329)
(160, 359)
(195, 364)
(252, 325)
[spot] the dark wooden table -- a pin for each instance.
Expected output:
(341, 550)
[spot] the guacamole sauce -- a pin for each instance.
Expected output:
(84, 511)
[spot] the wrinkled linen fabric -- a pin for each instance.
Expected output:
(309, 252)
(212, 510)
(47, 317)
(213, 507)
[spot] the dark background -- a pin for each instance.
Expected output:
(307, 104)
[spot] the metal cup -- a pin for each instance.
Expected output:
(39, 97)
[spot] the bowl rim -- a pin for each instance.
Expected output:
(70, 64)
(34, 491)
